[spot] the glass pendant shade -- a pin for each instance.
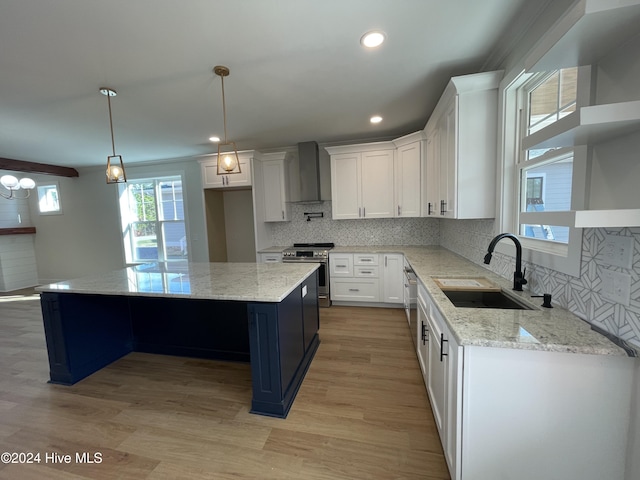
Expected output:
(10, 182)
(115, 170)
(228, 161)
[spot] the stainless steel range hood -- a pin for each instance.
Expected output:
(309, 159)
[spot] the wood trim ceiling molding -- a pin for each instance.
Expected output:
(33, 167)
(18, 231)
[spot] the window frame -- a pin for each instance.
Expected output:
(49, 183)
(123, 203)
(558, 256)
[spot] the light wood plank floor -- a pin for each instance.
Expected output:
(362, 411)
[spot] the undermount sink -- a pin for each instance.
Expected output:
(484, 299)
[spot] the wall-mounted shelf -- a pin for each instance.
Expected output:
(584, 34)
(18, 231)
(588, 125)
(607, 218)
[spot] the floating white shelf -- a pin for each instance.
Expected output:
(607, 218)
(588, 125)
(589, 30)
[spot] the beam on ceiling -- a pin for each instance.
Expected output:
(33, 167)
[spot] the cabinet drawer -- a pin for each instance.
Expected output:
(271, 257)
(341, 264)
(365, 259)
(355, 290)
(362, 271)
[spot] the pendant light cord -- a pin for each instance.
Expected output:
(113, 143)
(224, 110)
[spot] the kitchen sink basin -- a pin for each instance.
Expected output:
(484, 299)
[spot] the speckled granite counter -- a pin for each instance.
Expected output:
(249, 282)
(554, 329)
(273, 249)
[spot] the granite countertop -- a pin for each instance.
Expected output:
(550, 329)
(249, 282)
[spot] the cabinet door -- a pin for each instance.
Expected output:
(210, 177)
(393, 278)
(377, 184)
(408, 179)
(274, 191)
(436, 380)
(345, 186)
(453, 408)
(242, 179)
(447, 164)
(271, 257)
(433, 174)
(422, 335)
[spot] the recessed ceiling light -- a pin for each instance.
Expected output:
(214, 139)
(372, 39)
(375, 119)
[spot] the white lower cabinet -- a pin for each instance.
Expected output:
(366, 277)
(524, 414)
(392, 278)
(354, 277)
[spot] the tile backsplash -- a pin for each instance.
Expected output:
(470, 238)
(381, 231)
(583, 295)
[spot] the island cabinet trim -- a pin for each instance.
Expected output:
(86, 332)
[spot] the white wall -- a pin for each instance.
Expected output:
(86, 238)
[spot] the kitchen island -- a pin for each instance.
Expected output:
(262, 314)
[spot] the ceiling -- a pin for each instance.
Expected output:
(298, 72)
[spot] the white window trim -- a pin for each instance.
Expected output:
(565, 258)
(46, 184)
(123, 224)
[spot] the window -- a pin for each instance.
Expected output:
(49, 199)
(153, 221)
(543, 186)
(545, 99)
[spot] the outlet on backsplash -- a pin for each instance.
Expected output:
(618, 251)
(616, 286)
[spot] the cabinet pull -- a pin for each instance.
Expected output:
(429, 208)
(425, 337)
(366, 271)
(341, 266)
(365, 259)
(354, 289)
(443, 207)
(283, 214)
(442, 341)
(398, 210)
(364, 211)
(385, 260)
(359, 212)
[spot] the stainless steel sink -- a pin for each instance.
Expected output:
(484, 299)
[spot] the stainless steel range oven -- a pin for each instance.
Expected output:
(313, 253)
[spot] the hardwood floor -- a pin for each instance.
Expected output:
(362, 411)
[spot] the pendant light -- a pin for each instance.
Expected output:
(228, 161)
(115, 172)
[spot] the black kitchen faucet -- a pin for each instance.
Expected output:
(518, 275)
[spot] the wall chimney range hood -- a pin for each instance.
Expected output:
(309, 161)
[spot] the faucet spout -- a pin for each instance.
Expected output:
(518, 275)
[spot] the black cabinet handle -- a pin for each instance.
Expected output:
(443, 207)
(429, 208)
(442, 341)
(425, 333)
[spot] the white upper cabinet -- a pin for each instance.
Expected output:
(461, 146)
(362, 181)
(275, 173)
(379, 180)
(211, 179)
(409, 180)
